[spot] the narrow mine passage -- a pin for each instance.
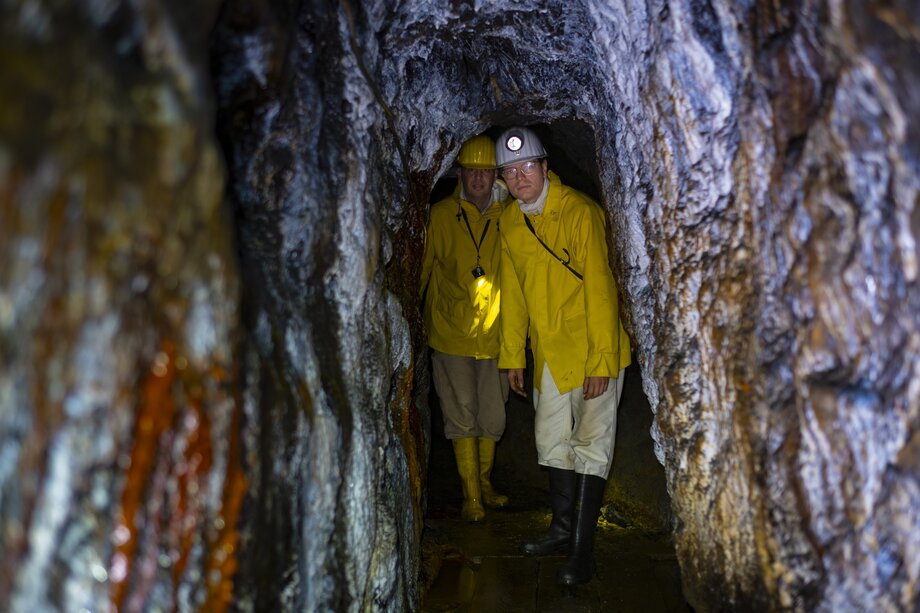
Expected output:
(478, 566)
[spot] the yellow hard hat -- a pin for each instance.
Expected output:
(477, 152)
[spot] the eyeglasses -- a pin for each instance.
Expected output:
(527, 168)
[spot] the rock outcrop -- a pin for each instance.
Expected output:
(121, 479)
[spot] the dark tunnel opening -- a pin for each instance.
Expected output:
(636, 498)
(392, 166)
(637, 494)
(570, 146)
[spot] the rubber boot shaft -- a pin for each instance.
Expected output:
(562, 497)
(466, 451)
(490, 497)
(579, 567)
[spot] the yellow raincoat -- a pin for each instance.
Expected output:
(574, 325)
(461, 312)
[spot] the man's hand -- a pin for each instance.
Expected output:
(593, 386)
(516, 381)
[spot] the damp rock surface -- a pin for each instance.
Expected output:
(321, 197)
(120, 473)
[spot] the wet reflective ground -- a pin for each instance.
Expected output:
(477, 567)
(483, 571)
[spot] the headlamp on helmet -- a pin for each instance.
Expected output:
(518, 144)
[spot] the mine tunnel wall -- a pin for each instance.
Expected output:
(210, 398)
(329, 381)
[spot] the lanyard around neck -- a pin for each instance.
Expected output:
(470, 230)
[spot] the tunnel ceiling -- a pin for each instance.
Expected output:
(213, 397)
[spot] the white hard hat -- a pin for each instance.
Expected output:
(517, 144)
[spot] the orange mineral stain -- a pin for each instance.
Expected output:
(191, 477)
(173, 402)
(222, 560)
(154, 416)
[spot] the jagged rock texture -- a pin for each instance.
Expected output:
(759, 164)
(333, 516)
(120, 472)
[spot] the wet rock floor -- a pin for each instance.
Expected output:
(477, 567)
(481, 569)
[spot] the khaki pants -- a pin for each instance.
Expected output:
(472, 394)
(574, 433)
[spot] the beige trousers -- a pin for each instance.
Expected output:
(574, 433)
(472, 394)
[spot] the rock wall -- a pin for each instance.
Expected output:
(782, 307)
(120, 472)
(326, 233)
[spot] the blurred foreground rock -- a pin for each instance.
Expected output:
(120, 467)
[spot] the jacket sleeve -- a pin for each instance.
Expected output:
(601, 299)
(514, 318)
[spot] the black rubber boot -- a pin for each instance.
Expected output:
(579, 568)
(562, 497)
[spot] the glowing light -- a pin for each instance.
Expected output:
(121, 535)
(119, 568)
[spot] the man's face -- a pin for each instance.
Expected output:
(525, 187)
(477, 182)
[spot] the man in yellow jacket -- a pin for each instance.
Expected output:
(461, 313)
(557, 285)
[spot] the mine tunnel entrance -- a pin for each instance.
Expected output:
(635, 501)
(329, 229)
